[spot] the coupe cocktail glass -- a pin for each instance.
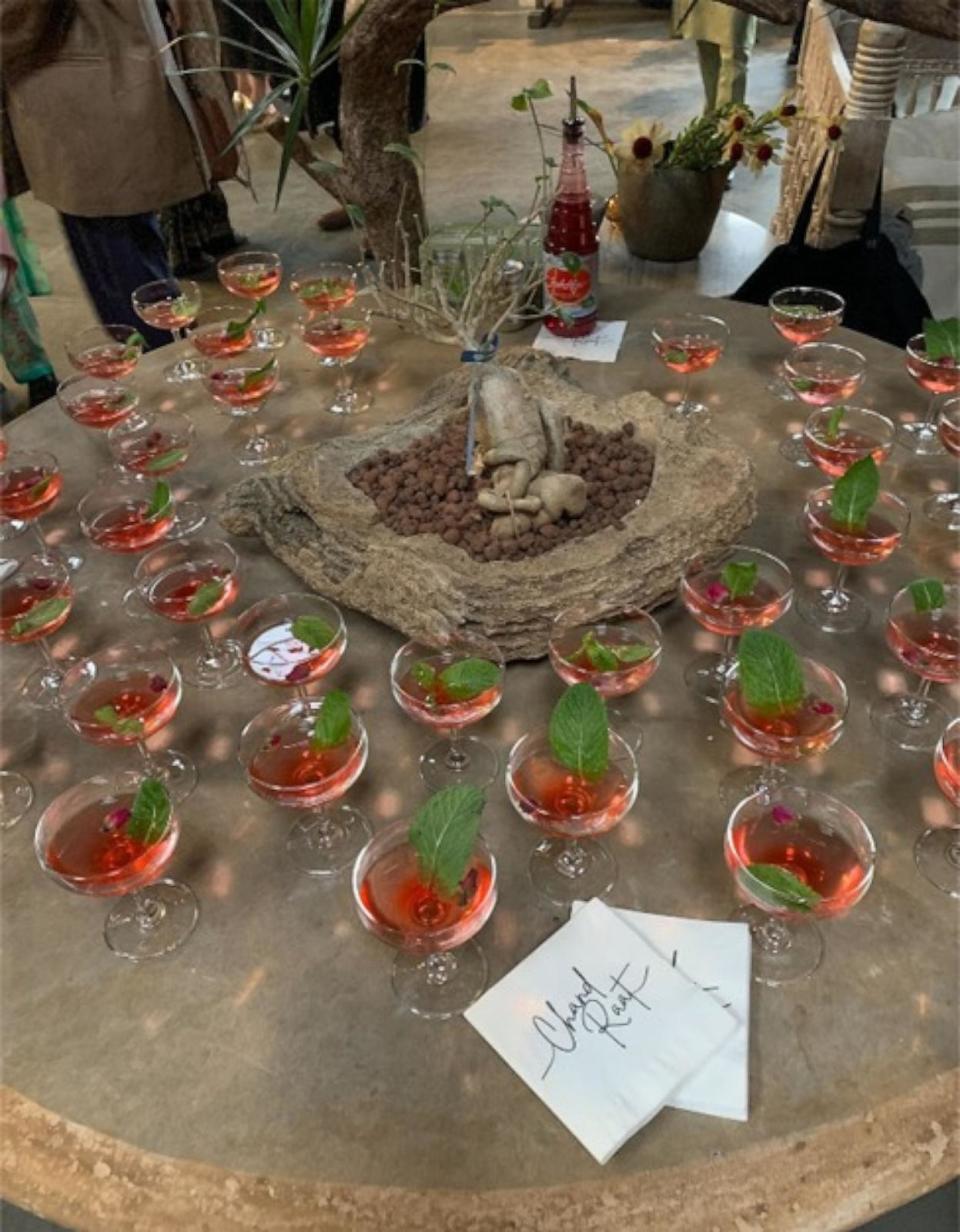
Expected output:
(242, 388)
(439, 970)
(800, 315)
(796, 856)
(30, 485)
(120, 698)
(423, 677)
(96, 402)
(156, 446)
(833, 608)
(944, 509)
(329, 287)
(689, 343)
(937, 850)
(712, 604)
(935, 377)
(221, 331)
(171, 304)
(283, 765)
(83, 841)
(820, 374)
(275, 655)
(779, 737)
(252, 276)
(928, 644)
(108, 352)
(337, 339)
(18, 736)
(192, 582)
(571, 811)
(126, 513)
(36, 596)
(860, 433)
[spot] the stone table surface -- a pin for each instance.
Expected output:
(263, 1077)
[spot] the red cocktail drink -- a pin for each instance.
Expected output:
(334, 340)
(250, 278)
(29, 489)
(325, 288)
(292, 640)
(686, 344)
(121, 709)
(195, 590)
(835, 446)
(106, 351)
(128, 522)
(96, 403)
(946, 763)
(877, 539)
(35, 602)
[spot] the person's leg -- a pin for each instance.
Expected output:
(115, 256)
(709, 54)
(732, 77)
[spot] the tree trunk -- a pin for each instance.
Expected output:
(938, 17)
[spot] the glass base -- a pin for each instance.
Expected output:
(350, 402)
(16, 796)
(269, 338)
(833, 611)
(41, 689)
(689, 407)
(783, 951)
(440, 985)
(626, 726)
(749, 781)
(328, 841)
(187, 520)
(779, 388)
(222, 670)
(10, 528)
(921, 439)
(793, 450)
(185, 371)
(152, 922)
(706, 677)
(134, 607)
(943, 510)
(178, 772)
(937, 856)
(563, 871)
(260, 451)
(910, 722)
(470, 760)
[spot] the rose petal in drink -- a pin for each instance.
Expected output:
(821, 707)
(782, 815)
(300, 671)
(157, 684)
(119, 817)
(716, 592)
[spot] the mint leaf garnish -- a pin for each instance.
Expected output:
(600, 657)
(941, 339)
(205, 597)
(802, 384)
(740, 578)
(855, 493)
(779, 888)
(41, 614)
(39, 488)
(333, 723)
(675, 356)
(236, 329)
(313, 632)
(424, 674)
(928, 594)
(109, 716)
(443, 835)
(579, 738)
(164, 461)
(832, 430)
(251, 379)
(633, 652)
(771, 676)
(134, 346)
(159, 500)
(804, 311)
(469, 678)
(150, 814)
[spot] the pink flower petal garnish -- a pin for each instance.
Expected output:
(781, 815)
(716, 592)
(42, 583)
(157, 684)
(274, 740)
(114, 820)
(822, 708)
(300, 671)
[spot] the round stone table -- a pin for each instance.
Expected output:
(263, 1077)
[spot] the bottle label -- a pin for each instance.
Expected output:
(570, 282)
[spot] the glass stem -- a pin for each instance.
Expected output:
(835, 594)
(149, 765)
(457, 757)
(915, 704)
(685, 391)
(38, 535)
(47, 654)
(772, 936)
(148, 909)
(344, 379)
(439, 968)
(572, 861)
(768, 780)
(209, 645)
(727, 655)
(931, 414)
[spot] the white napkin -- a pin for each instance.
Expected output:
(602, 346)
(715, 955)
(600, 1027)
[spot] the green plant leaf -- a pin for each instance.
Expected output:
(206, 596)
(252, 378)
(313, 632)
(424, 674)
(832, 430)
(579, 738)
(941, 339)
(928, 594)
(236, 329)
(441, 66)
(740, 578)
(39, 488)
(633, 652)
(41, 614)
(497, 203)
(291, 137)
(519, 102)
(166, 460)
(159, 500)
(356, 215)
(333, 723)
(539, 90)
(600, 657)
(109, 716)
(134, 346)
(855, 493)
(405, 151)
(469, 678)
(150, 813)
(443, 835)
(802, 384)
(803, 311)
(676, 356)
(771, 675)
(779, 888)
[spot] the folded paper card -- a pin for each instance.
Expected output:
(601, 1027)
(602, 346)
(716, 956)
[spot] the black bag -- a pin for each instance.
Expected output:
(881, 298)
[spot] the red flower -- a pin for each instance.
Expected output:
(834, 132)
(735, 153)
(738, 123)
(642, 147)
(764, 152)
(788, 110)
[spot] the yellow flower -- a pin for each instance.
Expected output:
(642, 142)
(761, 153)
(787, 111)
(734, 149)
(735, 121)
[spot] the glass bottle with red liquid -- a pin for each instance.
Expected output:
(570, 251)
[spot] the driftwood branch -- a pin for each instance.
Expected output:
(937, 17)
